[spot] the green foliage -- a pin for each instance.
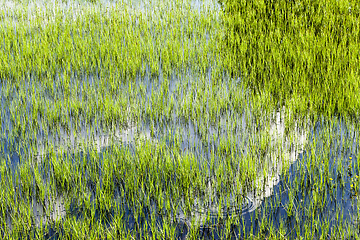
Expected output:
(303, 51)
(80, 88)
(119, 41)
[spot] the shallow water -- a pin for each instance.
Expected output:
(285, 193)
(274, 191)
(191, 141)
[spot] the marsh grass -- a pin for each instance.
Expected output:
(127, 120)
(303, 53)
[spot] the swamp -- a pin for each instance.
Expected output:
(179, 119)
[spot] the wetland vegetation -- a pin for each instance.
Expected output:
(179, 119)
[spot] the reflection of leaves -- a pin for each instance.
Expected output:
(349, 170)
(354, 186)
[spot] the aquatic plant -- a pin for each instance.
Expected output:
(298, 51)
(131, 120)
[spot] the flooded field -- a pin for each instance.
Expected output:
(121, 120)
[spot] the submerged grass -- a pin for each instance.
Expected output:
(75, 80)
